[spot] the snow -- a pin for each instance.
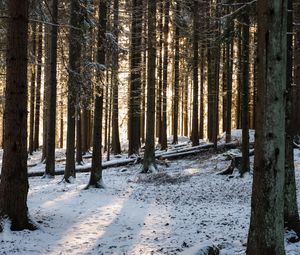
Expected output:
(236, 135)
(182, 209)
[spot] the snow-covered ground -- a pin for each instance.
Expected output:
(182, 208)
(176, 211)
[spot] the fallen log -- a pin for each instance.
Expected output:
(87, 168)
(172, 154)
(196, 150)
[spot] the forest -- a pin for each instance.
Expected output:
(150, 127)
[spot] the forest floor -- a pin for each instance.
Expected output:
(183, 207)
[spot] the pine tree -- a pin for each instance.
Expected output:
(51, 111)
(74, 84)
(96, 169)
(149, 156)
(116, 147)
(163, 133)
(135, 79)
(14, 180)
(291, 215)
(266, 225)
(195, 131)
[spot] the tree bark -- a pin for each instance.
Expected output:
(96, 169)
(116, 147)
(79, 159)
(201, 125)
(135, 79)
(32, 90)
(14, 180)
(245, 167)
(38, 88)
(74, 84)
(160, 73)
(267, 205)
(164, 142)
(239, 79)
(176, 78)
(51, 113)
(195, 131)
(296, 89)
(149, 156)
(291, 215)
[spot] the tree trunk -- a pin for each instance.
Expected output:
(176, 79)
(224, 88)
(47, 39)
(160, 73)
(74, 83)
(245, 167)
(195, 131)
(79, 159)
(51, 113)
(38, 88)
(61, 140)
(291, 215)
(201, 128)
(135, 79)
(116, 147)
(144, 77)
(14, 180)
(149, 156)
(229, 69)
(239, 79)
(185, 99)
(296, 89)
(267, 206)
(164, 142)
(96, 169)
(32, 90)
(213, 81)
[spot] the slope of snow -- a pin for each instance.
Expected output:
(176, 211)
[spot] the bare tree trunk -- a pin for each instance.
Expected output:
(176, 79)
(224, 88)
(144, 77)
(109, 123)
(245, 166)
(164, 144)
(96, 169)
(149, 156)
(195, 131)
(229, 69)
(47, 71)
(38, 88)
(51, 122)
(185, 100)
(201, 129)
(239, 79)
(79, 159)
(116, 147)
(74, 84)
(32, 90)
(14, 180)
(160, 73)
(296, 89)
(135, 79)
(267, 205)
(291, 215)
